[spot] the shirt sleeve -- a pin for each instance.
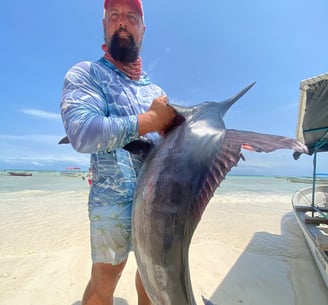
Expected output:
(88, 125)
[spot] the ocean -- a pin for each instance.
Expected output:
(47, 201)
(52, 181)
(40, 181)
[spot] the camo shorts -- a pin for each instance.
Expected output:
(110, 233)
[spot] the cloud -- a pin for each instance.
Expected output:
(42, 114)
(154, 63)
(42, 159)
(168, 50)
(38, 151)
(152, 66)
(40, 138)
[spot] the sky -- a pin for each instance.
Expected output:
(195, 50)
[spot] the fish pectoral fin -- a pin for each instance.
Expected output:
(206, 301)
(260, 142)
(64, 140)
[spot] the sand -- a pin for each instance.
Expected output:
(246, 250)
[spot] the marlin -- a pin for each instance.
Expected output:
(176, 182)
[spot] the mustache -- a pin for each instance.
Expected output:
(121, 30)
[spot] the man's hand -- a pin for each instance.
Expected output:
(159, 117)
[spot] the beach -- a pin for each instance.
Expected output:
(247, 249)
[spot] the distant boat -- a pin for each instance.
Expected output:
(22, 174)
(73, 172)
(308, 180)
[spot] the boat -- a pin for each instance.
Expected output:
(313, 221)
(308, 180)
(73, 172)
(310, 204)
(21, 174)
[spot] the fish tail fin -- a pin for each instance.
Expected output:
(206, 301)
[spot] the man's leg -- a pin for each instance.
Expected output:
(101, 287)
(142, 295)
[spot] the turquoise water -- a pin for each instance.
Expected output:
(258, 185)
(41, 181)
(52, 181)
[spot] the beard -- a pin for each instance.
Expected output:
(124, 50)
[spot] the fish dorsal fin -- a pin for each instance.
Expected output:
(184, 111)
(229, 102)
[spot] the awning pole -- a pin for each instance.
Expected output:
(314, 180)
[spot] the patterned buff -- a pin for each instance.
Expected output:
(132, 70)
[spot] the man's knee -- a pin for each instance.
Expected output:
(106, 276)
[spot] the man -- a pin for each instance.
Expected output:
(105, 105)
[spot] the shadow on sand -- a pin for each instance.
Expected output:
(274, 269)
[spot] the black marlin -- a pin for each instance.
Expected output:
(175, 184)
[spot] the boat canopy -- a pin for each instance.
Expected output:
(312, 125)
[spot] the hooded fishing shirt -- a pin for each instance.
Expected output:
(99, 109)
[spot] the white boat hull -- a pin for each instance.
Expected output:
(314, 226)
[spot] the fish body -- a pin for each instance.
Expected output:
(175, 184)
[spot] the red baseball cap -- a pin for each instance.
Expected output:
(137, 3)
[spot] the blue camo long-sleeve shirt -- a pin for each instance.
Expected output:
(99, 109)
